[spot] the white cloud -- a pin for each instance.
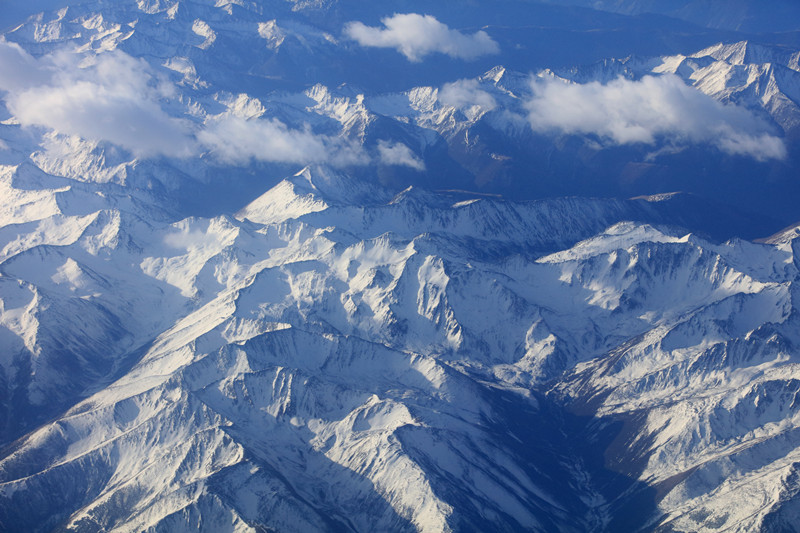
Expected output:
(398, 154)
(466, 93)
(236, 140)
(113, 98)
(119, 99)
(18, 69)
(416, 36)
(651, 110)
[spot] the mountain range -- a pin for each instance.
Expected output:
(333, 266)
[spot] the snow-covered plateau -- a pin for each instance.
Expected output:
(266, 266)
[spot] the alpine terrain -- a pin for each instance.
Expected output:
(327, 265)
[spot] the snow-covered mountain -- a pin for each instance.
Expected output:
(322, 369)
(248, 282)
(742, 73)
(466, 122)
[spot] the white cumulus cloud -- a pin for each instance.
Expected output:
(651, 110)
(398, 154)
(112, 97)
(236, 140)
(466, 93)
(416, 36)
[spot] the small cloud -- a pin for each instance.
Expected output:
(760, 146)
(466, 93)
(398, 154)
(236, 140)
(416, 36)
(653, 109)
(186, 239)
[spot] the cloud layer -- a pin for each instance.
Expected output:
(416, 36)
(116, 98)
(651, 110)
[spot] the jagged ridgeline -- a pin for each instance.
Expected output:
(345, 266)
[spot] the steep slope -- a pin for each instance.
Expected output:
(113, 280)
(292, 293)
(341, 363)
(708, 396)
